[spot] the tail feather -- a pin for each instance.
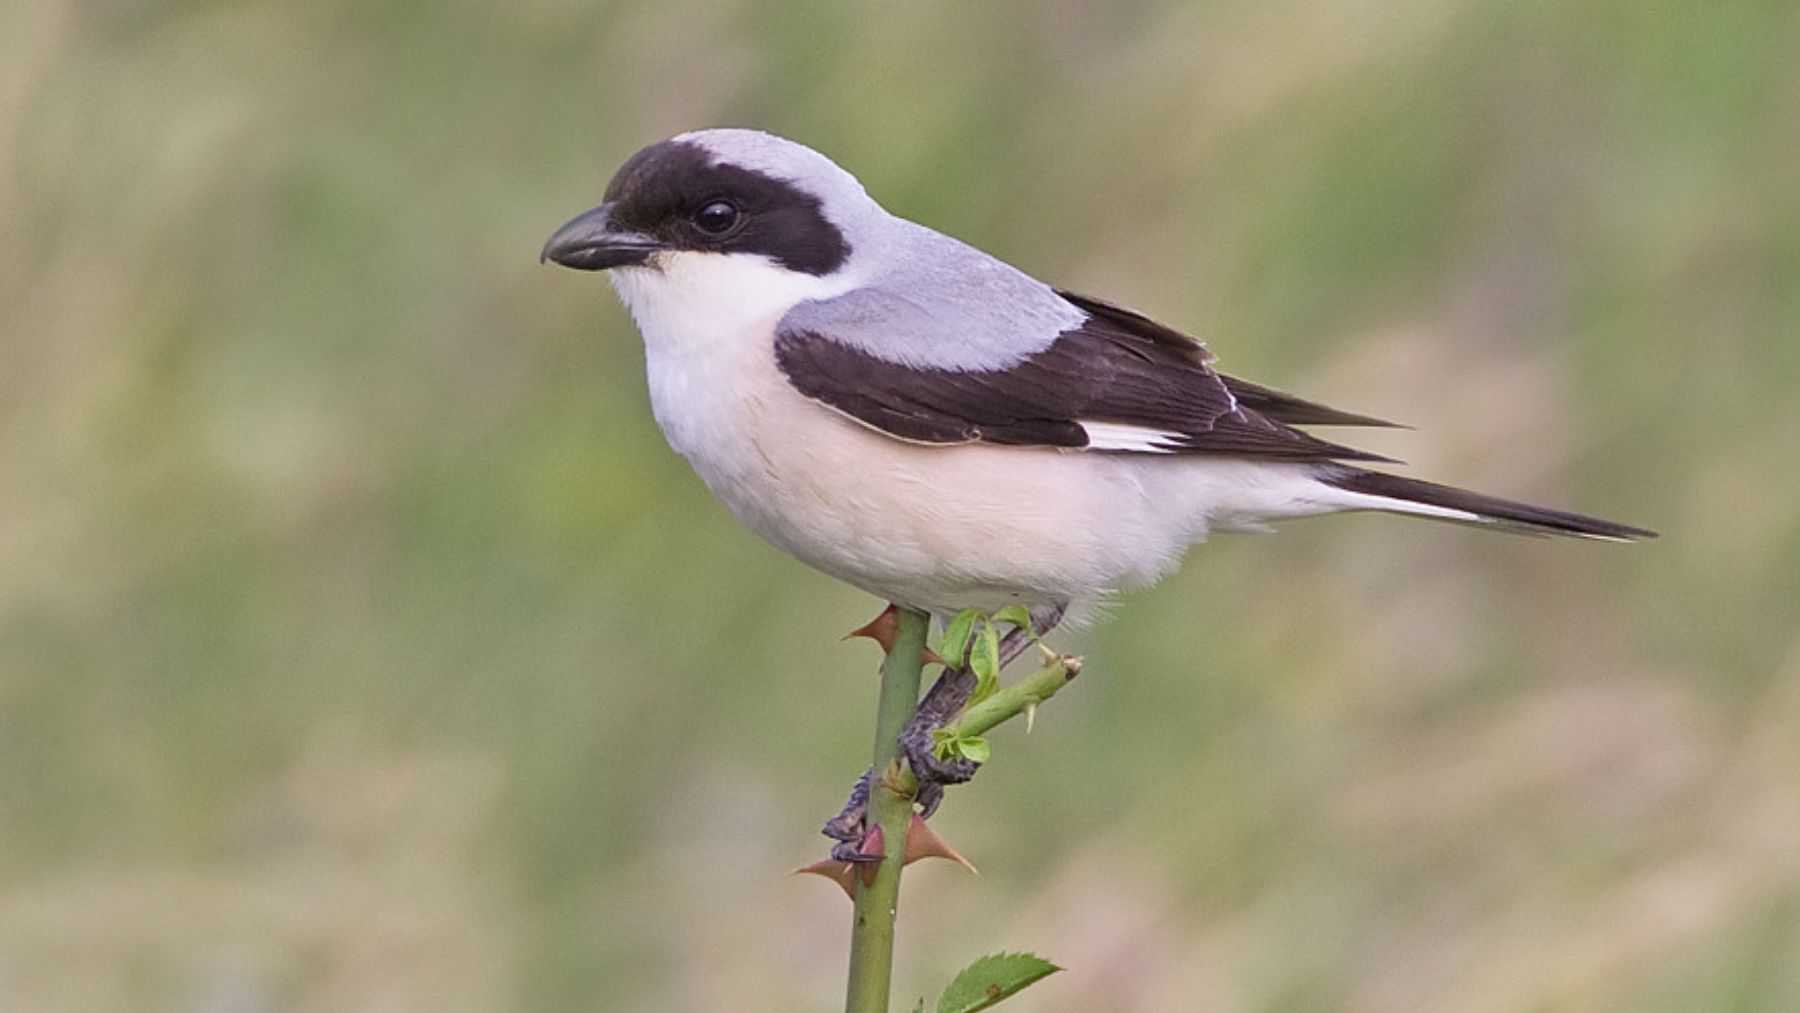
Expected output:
(1289, 410)
(1411, 495)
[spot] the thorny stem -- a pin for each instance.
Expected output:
(1010, 701)
(890, 808)
(1007, 703)
(892, 786)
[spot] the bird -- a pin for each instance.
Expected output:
(925, 422)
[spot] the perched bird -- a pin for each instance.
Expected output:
(919, 419)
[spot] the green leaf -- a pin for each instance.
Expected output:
(991, 979)
(947, 745)
(955, 646)
(944, 744)
(1017, 615)
(985, 662)
(920, 1008)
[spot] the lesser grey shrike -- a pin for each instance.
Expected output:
(918, 419)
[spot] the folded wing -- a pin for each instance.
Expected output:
(1115, 382)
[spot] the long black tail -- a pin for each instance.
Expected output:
(1474, 507)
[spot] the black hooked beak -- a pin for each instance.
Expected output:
(591, 243)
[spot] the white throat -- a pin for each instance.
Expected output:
(708, 322)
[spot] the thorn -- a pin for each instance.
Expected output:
(1070, 662)
(921, 842)
(1030, 716)
(924, 842)
(834, 870)
(874, 844)
(882, 630)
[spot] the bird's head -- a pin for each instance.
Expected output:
(716, 203)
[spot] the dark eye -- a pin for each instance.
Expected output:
(716, 218)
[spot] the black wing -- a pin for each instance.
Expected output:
(1117, 382)
(1276, 405)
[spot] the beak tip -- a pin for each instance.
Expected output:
(590, 243)
(550, 252)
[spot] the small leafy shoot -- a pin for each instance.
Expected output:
(985, 661)
(943, 744)
(991, 979)
(947, 745)
(957, 635)
(974, 748)
(1018, 616)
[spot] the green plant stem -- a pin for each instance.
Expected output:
(1007, 703)
(877, 902)
(1010, 701)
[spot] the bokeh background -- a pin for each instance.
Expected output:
(362, 647)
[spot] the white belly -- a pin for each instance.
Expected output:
(940, 527)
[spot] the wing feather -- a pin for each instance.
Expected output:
(1117, 382)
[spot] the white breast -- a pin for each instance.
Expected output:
(931, 526)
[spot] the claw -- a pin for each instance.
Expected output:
(846, 826)
(866, 853)
(851, 860)
(930, 795)
(844, 870)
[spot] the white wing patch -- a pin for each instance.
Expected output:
(1120, 436)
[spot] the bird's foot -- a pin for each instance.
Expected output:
(849, 827)
(871, 848)
(947, 698)
(858, 844)
(918, 740)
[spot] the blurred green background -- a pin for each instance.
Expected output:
(362, 647)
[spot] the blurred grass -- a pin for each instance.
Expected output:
(362, 647)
